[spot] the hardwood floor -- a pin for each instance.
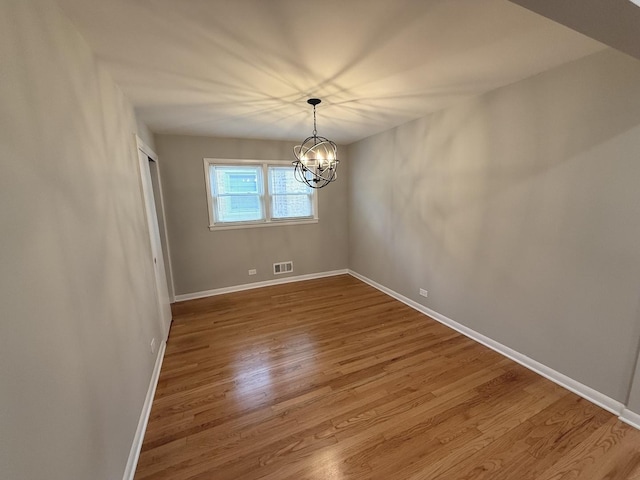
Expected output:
(331, 379)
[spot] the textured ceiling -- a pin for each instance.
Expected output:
(245, 68)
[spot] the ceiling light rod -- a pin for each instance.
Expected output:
(316, 161)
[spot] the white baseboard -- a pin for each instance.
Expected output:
(576, 387)
(267, 283)
(630, 418)
(136, 446)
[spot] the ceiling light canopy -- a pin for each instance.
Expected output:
(316, 161)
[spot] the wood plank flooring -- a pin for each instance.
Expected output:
(332, 379)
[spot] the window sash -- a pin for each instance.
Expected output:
(282, 184)
(225, 215)
(274, 208)
(217, 174)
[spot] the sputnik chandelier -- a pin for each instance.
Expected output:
(316, 161)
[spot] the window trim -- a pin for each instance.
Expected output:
(265, 197)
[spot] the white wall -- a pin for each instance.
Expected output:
(76, 279)
(634, 394)
(145, 134)
(519, 212)
(203, 260)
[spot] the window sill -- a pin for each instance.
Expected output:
(213, 228)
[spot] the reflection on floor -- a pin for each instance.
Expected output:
(332, 379)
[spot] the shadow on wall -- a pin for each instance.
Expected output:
(516, 206)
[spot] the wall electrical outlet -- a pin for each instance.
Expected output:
(423, 292)
(253, 271)
(153, 345)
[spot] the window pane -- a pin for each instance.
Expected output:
(282, 180)
(239, 208)
(291, 206)
(240, 179)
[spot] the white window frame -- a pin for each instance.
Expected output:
(265, 198)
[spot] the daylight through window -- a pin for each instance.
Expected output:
(250, 193)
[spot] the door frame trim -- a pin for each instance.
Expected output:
(144, 148)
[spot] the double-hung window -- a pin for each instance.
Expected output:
(249, 193)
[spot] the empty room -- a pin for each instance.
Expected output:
(320, 239)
